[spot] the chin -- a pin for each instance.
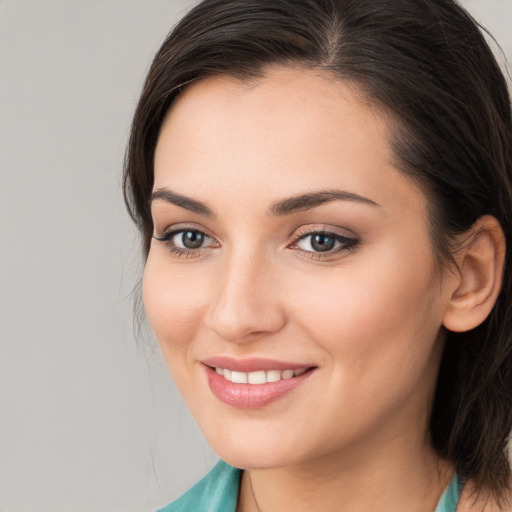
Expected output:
(255, 459)
(254, 452)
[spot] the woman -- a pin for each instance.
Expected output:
(324, 193)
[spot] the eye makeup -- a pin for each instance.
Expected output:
(314, 243)
(317, 244)
(186, 242)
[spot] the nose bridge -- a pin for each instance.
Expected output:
(246, 301)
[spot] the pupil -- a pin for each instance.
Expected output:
(192, 239)
(322, 243)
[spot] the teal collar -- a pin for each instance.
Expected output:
(450, 497)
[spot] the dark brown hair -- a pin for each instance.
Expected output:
(427, 63)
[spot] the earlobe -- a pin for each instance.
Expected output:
(480, 262)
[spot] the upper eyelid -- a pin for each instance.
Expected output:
(351, 240)
(168, 234)
(305, 230)
(182, 227)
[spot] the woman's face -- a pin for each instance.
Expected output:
(291, 283)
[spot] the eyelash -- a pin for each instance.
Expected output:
(345, 243)
(167, 237)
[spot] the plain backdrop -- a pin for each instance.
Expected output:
(89, 419)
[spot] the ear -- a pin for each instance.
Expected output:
(480, 262)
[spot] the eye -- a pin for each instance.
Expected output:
(189, 239)
(188, 242)
(319, 242)
(323, 243)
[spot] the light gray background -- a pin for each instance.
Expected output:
(89, 420)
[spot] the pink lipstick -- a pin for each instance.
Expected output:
(250, 383)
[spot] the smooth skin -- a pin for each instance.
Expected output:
(367, 313)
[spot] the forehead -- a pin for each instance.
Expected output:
(282, 133)
(273, 101)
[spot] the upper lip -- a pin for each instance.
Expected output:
(252, 364)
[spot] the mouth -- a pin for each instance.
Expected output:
(253, 383)
(258, 376)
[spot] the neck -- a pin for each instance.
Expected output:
(395, 475)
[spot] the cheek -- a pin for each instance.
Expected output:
(374, 319)
(174, 304)
(378, 332)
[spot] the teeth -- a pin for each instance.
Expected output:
(258, 377)
(239, 377)
(273, 375)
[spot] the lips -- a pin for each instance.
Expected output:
(253, 383)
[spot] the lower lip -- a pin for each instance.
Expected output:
(251, 395)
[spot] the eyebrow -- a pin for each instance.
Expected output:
(279, 208)
(311, 200)
(188, 203)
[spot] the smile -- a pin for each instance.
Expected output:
(258, 377)
(253, 383)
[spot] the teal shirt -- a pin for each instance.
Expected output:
(218, 492)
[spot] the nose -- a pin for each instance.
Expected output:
(246, 301)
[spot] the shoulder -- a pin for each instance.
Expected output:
(473, 501)
(216, 492)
